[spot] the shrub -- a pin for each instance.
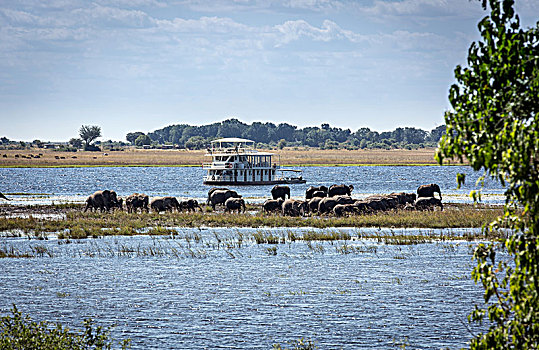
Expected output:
(20, 332)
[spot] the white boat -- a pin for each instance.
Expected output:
(235, 161)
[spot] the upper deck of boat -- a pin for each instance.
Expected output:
(234, 146)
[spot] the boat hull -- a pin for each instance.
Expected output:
(255, 183)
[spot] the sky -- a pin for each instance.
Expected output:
(140, 65)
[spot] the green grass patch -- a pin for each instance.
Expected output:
(78, 224)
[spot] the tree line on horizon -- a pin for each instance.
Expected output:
(266, 135)
(281, 135)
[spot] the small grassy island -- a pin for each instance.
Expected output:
(69, 220)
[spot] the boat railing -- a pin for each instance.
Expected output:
(290, 174)
(231, 150)
(230, 165)
(218, 178)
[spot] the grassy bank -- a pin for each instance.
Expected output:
(136, 157)
(71, 222)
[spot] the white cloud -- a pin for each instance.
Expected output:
(202, 25)
(296, 30)
(313, 5)
(263, 5)
(424, 8)
(131, 3)
(105, 15)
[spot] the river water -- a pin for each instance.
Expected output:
(46, 185)
(217, 288)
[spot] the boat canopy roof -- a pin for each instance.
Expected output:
(232, 140)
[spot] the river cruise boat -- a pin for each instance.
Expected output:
(235, 161)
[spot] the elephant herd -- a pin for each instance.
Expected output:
(335, 200)
(107, 200)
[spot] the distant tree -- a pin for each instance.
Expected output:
(231, 128)
(4, 140)
(132, 136)
(256, 131)
(330, 144)
(195, 142)
(284, 131)
(176, 135)
(413, 136)
(281, 144)
(269, 133)
(75, 142)
(143, 140)
(37, 143)
(88, 133)
(436, 134)
(494, 126)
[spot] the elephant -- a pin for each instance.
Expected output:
(102, 200)
(119, 204)
(293, 207)
(312, 189)
(342, 209)
(361, 206)
(385, 202)
(279, 191)
(389, 202)
(327, 204)
(376, 203)
(408, 207)
(189, 204)
(135, 201)
(160, 204)
(428, 203)
(403, 198)
(312, 204)
(114, 197)
(273, 205)
(319, 194)
(340, 190)
(232, 204)
(4, 197)
(428, 191)
(213, 189)
(220, 197)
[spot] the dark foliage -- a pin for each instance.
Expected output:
(270, 134)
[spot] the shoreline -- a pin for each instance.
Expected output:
(40, 158)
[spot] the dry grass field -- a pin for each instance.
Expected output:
(137, 157)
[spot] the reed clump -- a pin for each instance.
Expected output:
(12, 252)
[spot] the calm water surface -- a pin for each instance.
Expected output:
(75, 184)
(217, 288)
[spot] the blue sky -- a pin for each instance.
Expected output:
(139, 65)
